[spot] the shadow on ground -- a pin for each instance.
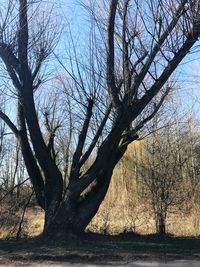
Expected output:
(93, 249)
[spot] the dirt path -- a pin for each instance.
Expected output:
(141, 252)
(178, 263)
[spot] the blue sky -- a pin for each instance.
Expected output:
(187, 74)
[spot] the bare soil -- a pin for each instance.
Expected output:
(98, 250)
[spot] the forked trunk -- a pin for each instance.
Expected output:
(59, 226)
(77, 209)
(73, 215)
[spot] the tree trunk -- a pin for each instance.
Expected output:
(60, 225)
(76, 212)
(30, 162)
(161, 225)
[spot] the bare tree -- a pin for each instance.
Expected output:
(161, 179)
(145, 42)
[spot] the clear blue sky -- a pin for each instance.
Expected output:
(188, 73)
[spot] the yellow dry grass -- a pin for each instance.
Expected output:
(32, 224)
(113, 220)
(121, 211)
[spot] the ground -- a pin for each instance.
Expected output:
(96, 250)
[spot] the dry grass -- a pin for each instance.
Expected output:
(35, 221)
(32, 223)
(121, 211)
(142, 222)
(112, 220)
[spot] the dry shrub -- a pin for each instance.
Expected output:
(19, 217)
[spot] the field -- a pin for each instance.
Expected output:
(99, 248)
(110, 224)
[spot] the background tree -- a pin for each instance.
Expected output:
(161, 179)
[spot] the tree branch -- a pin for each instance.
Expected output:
(132, 135)
(12, 64)
(81, 140)
(10, 124)
(23, 34)
(112, 89)
(96, 137)
(29, 159)
(159, 43)
(191, 40)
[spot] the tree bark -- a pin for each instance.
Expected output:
(161, 225)
(75, 213)
(52, 175)
(30, 162)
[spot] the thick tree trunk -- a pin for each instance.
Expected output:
(60, 226)
(52, 175)
(30, 162)
(75, 213)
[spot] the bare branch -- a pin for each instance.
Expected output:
(111, 56)
(168, 70)
(23, 33)
(156, 49)
(10, 124)
(96, 137)
(81, 140)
